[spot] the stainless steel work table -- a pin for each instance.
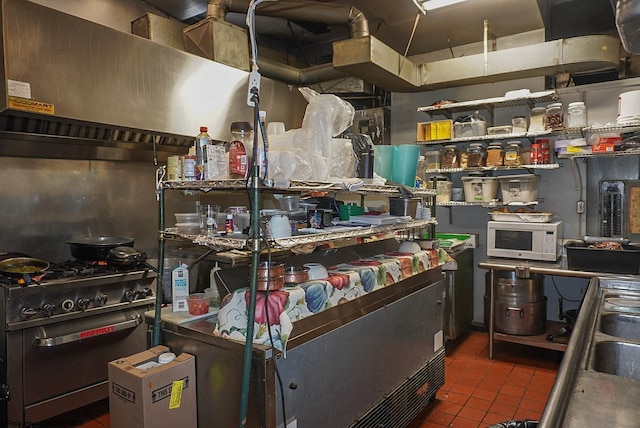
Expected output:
(558, 268)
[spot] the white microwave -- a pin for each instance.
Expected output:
(521, 240)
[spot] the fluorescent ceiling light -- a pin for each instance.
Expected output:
(435, 4)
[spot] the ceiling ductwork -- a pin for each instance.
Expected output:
(366, 57)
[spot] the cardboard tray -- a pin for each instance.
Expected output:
(625, 261)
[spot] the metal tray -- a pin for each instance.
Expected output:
(524, 217)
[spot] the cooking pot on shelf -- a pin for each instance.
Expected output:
(97, 247)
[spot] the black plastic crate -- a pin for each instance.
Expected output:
(624, 261)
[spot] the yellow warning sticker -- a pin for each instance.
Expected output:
(32, 106)
(176, 394)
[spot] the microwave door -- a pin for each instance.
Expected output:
(514, 240)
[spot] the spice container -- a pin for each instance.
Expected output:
(576, 115)
(450, 157)
(554, 116)
(495, 154)
(512, 154)
(536, 157)
(537, 119)
(544, 147)
(476, 155)
(519, 124)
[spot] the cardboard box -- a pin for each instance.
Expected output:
(436, 130)
(146, 394)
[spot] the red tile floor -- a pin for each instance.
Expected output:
(478, 392)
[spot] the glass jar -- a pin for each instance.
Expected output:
(537, 119)
(554, 115)
(476, 155)
(576, 115)
(450, 157)
(519, 124)
(495, 154)
(513, 154)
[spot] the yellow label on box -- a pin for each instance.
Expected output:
(176, 394)
(32, 106)
(574, 149)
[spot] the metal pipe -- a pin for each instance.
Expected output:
(157, 318)
(287, 73)
(255, 259)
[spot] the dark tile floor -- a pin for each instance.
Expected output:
(478, 392)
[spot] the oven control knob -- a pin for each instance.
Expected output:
(67, 305)
(83, 303)
(27, 313)
(47, 309)
(101, 299)
(129, 296)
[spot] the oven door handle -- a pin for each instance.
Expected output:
(49, 342)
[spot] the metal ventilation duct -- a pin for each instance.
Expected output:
(365, 57)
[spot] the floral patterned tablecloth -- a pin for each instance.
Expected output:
(276, 311)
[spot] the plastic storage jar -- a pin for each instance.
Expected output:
(512, 154)
(495, 155)
(576, 115)
(555, 116)
(450, 157)
(519, 124)
(476, 155)
(537, 119)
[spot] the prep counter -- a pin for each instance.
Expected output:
(376, 360)
(598, 383)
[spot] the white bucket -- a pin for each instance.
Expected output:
(628, 106)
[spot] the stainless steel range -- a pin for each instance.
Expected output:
(59, 333)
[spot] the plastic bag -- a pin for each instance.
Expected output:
(328, 116)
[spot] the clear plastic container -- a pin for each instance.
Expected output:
(495, 155)
(513, 154)
(554, 115)
(537, 119)
(576, 115)
(476, 155)
(432, 159)
(450, 157)
(519, 124)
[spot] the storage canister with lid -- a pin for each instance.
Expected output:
(495, 154)
(537, 119)
(544, 147)
(555, 116)
(476, 155)
(536, 157)
(519, 124)
(450, 157)
(512, 154)
(576, 115)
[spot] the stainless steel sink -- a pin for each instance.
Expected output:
(622, 302)
(617, 358)
(624, 326)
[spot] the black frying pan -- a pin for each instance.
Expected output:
(97, 247)
(128, 257)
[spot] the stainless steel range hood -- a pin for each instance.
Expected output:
(95, 86)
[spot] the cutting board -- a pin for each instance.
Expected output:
(169, 316)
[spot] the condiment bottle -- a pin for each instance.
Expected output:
(202, 141)
(240, 150)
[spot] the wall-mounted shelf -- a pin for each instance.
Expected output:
(546, 166)
(490, 204)
(491, 103)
